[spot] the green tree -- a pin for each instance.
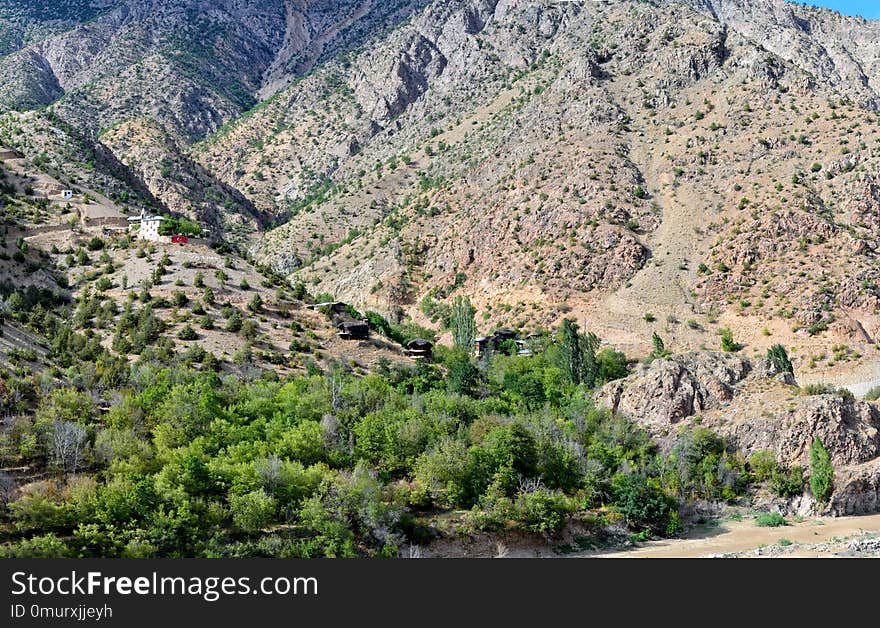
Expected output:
(578, 354)
(727, 342)
(464, 327)
(463, 375)
(821, 471)
(659, 350)
(256, 303)
(779, 359)
(234, 324)
(187, 333)
(642, 503)
(611, 365)
(570, 351)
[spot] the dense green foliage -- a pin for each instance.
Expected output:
(185, 462)
(578, 354)
(821, 471)
(179, 226)
(175, 454)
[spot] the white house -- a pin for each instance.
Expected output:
(149, 225)
(66, 194)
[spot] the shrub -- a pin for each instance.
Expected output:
(253, 511)
(187, 333)
(821, 471)
(611, 365)
(235, 323)
(873, 394)
(256, 303)
(659, 350)
(817, 389)
(727, 342)
(43, 546)
(763, 465)
(542, 511)
(771, 520)
(641, 502)
(787, 485)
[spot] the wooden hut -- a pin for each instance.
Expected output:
(420, 349)
(353, 330)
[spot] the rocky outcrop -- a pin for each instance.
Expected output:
(837, 50)
(856, 490)
(849, 429)
(29, 82)
(663, 393)
(668, 390)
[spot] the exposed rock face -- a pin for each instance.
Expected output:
(179, 68)
(547, 145)
(540, 140)
(717, 387)
(856, 490)
(835, 49)
(848, 429)
(668, 390)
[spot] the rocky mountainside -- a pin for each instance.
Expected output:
(147, 78)
(706, 164)
(678, 166)
(836, 50)
(677, 176)
(78, 252)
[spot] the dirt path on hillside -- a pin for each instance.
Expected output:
(814, 537)
(859, 379)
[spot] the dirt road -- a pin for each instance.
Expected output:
(813, 537)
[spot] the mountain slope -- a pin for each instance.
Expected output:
(681, 162)
(178, 71)
(674, 167)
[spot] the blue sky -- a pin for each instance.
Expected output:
(866, 8)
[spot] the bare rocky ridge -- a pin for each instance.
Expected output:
(836, 50)
(669, 390)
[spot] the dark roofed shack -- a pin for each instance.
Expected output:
(505, 334)
(420, 349)
(481, 345)
(353, 330)
(498, 340)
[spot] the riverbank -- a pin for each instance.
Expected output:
(813, 537)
